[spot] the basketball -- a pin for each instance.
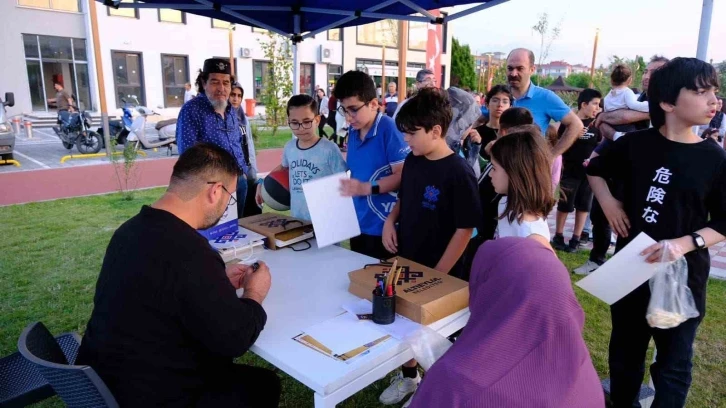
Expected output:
(276, 190)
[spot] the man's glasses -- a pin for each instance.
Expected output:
(232, 198)
(352, 112)
(297, 125)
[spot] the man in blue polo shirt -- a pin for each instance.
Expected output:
(376, 152)
(209, 118)
(544, 104)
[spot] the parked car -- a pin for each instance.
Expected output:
(7, 133)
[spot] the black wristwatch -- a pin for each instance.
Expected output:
(375, 188)
(698, 241)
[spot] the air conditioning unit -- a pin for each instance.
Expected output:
(245, 52)
(326, 54)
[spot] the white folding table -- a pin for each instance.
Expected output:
(309, 287)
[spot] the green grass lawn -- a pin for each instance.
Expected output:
(51, 254)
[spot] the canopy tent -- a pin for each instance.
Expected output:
(560, 86)
(302, 19)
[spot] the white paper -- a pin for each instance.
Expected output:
(333, 216)
(344, 333)
(622, 273)
(399, 329)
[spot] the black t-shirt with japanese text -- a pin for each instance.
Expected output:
(669, 190)
(580, 150)
(436, 198)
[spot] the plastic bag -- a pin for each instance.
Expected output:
(671, 300)
(427, 346)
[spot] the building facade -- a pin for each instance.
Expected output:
(152, 53)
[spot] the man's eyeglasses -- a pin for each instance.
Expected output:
(297, 125)
(232, 198)
(352, 112)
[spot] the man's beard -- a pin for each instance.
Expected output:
(218, 105)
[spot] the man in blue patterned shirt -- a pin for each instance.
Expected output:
(209, 118)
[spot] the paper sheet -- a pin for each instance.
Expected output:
(344, 333)
(622, 273)
(333, 215)
(399, 329)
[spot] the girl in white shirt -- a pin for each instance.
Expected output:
(621, 96)
(522, 173)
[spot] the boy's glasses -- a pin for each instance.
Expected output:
(352, 112)
(297, 125)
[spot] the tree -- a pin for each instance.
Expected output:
(277, 84)
(547, 35)
(637, 67)
(578, 80)
(721, 68)
(462, 65)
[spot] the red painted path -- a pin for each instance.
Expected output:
(50, 184)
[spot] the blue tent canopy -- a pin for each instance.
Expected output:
(302, 19)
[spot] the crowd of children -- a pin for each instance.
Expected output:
(419, 196)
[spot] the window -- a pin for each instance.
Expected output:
(124, 12)
(307, 79)
(417, 35)
(221, 24)
(444, 35)
(261, 71)
(442, 82)
(335, 34)
(60, 5)
(380, 33)
(128, 78)
(56, 59)
(334, 73)
(172, 16)
(175, 73)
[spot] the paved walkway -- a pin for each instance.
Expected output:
(718, 252)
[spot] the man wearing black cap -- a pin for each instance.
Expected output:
(209, 118)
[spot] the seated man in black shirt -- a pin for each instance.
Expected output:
(675, 202)
(167, 322)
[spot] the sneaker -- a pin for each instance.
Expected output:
(399, 388)
(409, 400)
(573, 246)
(558, 242)
(584, 238)
(587, 268)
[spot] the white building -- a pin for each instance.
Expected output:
(555, 69)
(152, 53)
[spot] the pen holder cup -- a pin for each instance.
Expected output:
(384, 309)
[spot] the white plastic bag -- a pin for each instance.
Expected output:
(671, 300)
(427, 345)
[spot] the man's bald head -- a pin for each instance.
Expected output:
(520, 68)
(522, 52)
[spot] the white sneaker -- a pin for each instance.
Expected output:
(399, 388)
(587, 268)
(408, 402)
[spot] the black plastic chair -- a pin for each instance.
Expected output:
(78, 386)
(20, 382)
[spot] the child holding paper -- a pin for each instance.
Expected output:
(676, 196)
(308, 157)
(438, 204)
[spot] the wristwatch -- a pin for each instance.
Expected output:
(698, 241)
(375, 188)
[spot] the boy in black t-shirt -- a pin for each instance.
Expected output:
(673, 189)
(438, 203)
(575, 190)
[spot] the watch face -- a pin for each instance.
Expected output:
(700, 241)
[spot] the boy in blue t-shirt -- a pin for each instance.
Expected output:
(309, 156)
(376, 152)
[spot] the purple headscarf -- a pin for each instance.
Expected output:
(523, 344)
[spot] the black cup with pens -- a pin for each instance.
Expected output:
(384, 297)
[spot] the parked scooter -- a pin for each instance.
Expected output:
(119, 128)
(167, 132)
(75, 129)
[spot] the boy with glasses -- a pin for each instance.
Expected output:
(376, 152)
(307, 158)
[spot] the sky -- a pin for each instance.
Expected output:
(627, 28)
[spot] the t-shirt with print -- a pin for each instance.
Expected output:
(320, 160)
(580, 150)
(666, 196)
(371, 159)
(437, 197)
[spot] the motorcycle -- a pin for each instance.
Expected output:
(119, 128)
(75, 129)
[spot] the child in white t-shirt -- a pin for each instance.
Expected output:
(521, 171)
(622, 97)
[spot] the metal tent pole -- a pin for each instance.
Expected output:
(705, 29)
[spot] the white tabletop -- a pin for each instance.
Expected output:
(309, 287)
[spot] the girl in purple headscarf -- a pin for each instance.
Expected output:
(523, 344)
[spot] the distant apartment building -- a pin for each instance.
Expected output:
(561, 68)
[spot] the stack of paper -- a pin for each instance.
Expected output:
(242, 244)
(334, 217)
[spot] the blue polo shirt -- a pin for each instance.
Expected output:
(544, 104)
(371, 159)
(198, 122)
